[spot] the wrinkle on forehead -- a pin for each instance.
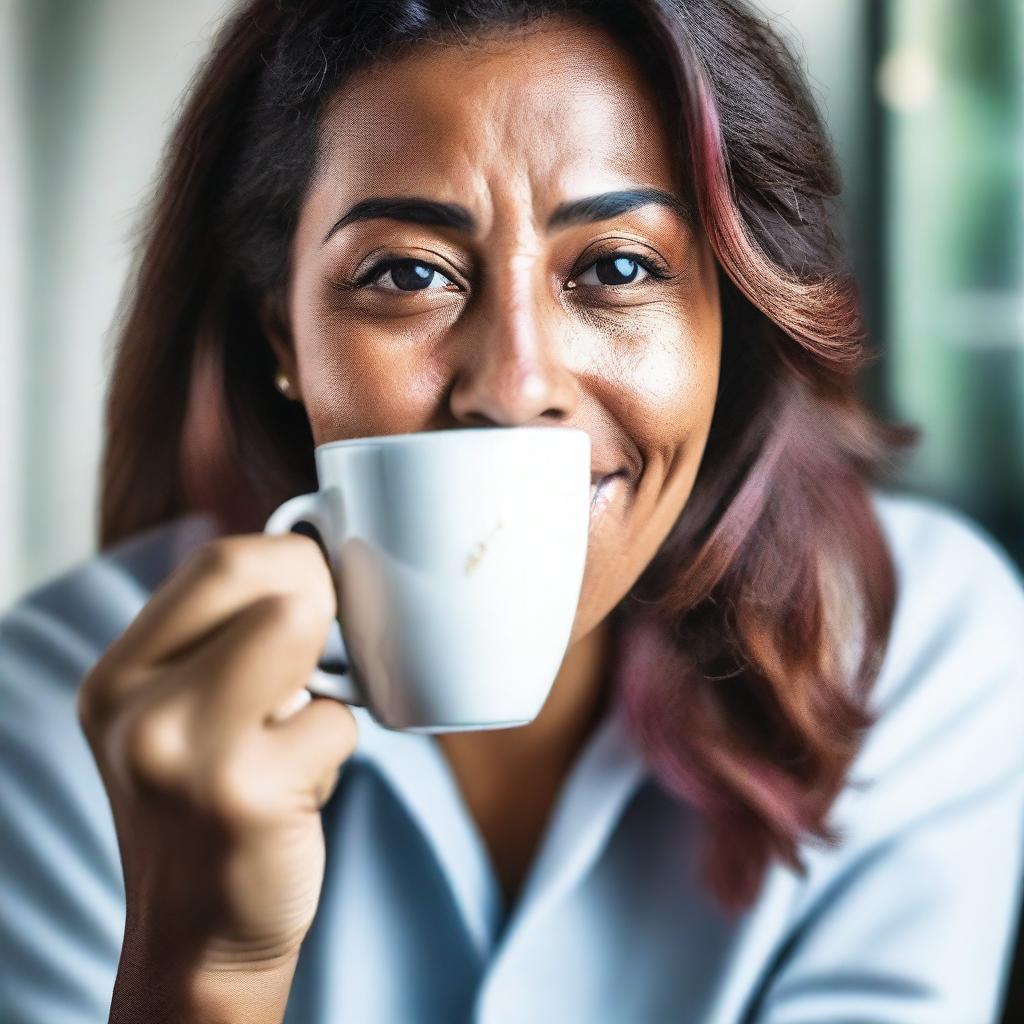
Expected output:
(531, 108)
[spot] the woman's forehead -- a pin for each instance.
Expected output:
(565, 108)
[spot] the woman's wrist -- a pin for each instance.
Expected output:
(239, 995)
(159, 986)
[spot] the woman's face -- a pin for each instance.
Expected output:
(507, 311)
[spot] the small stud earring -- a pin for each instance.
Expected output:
(284, 385)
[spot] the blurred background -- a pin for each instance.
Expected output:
(925, 103)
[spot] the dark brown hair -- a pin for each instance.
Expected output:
(774, 590)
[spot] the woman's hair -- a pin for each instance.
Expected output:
(773, 593)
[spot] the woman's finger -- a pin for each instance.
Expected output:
(209, 589)
(318, 738)
(257, 661)
(298, 700)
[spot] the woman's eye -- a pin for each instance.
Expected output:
(406, 275)
(415, 275)
(619, 269)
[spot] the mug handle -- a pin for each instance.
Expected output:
(309, 507)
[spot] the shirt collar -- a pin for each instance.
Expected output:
(601, 781)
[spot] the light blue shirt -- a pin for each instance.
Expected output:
(910, 921)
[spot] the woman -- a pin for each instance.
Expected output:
(779, 777)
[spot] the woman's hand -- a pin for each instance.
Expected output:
(215, 801)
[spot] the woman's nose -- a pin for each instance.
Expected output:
(513, 369)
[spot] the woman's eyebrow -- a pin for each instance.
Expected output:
(590, 209)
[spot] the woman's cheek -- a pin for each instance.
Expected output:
(673, 379)
(348, 389)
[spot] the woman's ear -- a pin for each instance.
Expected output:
(274, 324)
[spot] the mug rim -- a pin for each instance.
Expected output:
(426, 435)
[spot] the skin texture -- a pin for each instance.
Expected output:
(499, 334)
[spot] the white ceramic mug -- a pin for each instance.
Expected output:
(457, 558)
